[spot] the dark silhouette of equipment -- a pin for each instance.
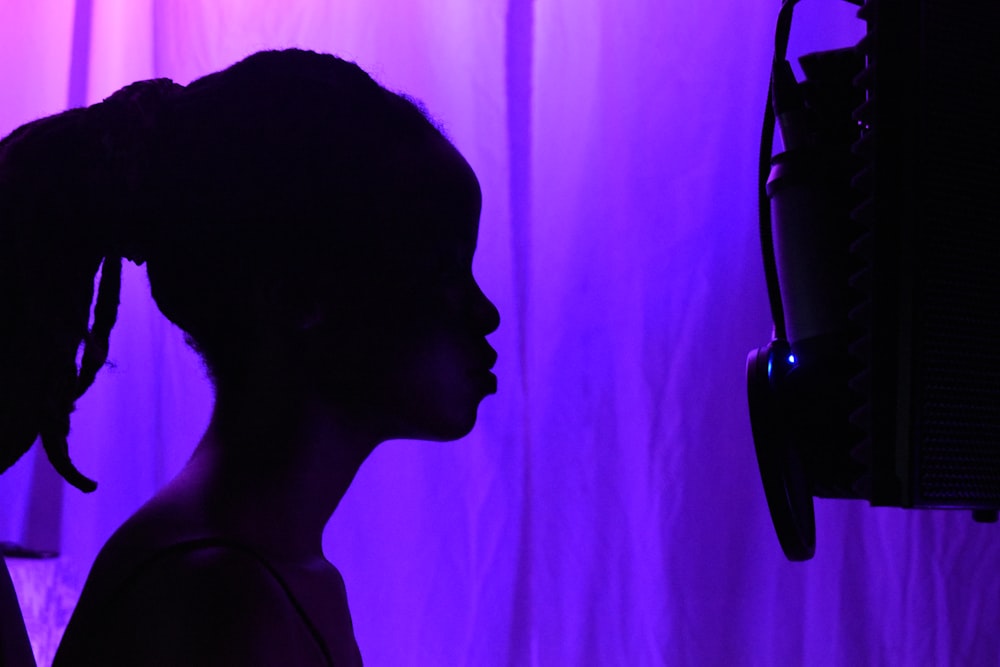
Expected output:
(880, 231)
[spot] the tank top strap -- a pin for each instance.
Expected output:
(196, 544)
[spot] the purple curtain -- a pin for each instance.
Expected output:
(607, 508)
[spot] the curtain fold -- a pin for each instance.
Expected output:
(607, 508)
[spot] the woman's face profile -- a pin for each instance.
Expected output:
(420, 358)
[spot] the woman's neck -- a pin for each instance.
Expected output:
(274, 482)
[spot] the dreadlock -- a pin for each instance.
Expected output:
(65, 186)
(265, 169)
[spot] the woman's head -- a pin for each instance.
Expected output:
(286, 202)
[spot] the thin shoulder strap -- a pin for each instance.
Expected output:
(191, 545)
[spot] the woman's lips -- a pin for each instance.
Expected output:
(482, 374)
(490, 382)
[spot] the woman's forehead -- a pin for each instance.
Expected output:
(444, 185)
(444, 169)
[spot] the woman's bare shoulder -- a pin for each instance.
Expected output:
(210, 605)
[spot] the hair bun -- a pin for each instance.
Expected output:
(132, 124)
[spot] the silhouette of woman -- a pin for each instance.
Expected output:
(312, 233)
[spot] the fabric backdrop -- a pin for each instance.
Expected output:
(607, 509)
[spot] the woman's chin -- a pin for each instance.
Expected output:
(443, 427)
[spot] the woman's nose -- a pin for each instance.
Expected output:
(486, 314)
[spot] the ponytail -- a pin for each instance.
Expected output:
(69, 187)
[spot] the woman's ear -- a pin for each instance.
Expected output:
(282, 306)
(312, 317)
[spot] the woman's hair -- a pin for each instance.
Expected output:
(288, 169)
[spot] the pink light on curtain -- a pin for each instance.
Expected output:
(37, 37)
